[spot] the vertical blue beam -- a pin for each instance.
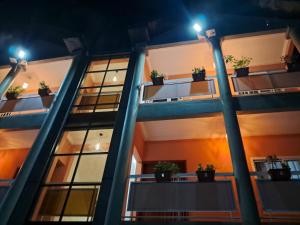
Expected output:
(110, 203)
(16, 68)
(247, 201)
(17, 204)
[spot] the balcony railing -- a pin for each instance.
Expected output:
(25, 105)
(178, 90)
(186, 199)
(4, 188)
(267, 83)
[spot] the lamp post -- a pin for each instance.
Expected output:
(248, 207)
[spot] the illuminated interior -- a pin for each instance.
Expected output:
(189, 142)
(52, 72)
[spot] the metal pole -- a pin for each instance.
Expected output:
(247, 201)
(114, 180)
(19, 200)
(15, 69)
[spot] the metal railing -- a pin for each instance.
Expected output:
(174, 90)
(25, 105)
(266, 83)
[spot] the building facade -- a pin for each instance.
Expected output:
(85, 150)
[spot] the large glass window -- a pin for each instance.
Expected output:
(102, 86)
(73, 180)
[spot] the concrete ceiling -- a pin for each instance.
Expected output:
(181, 59)
(277, 123)
(17, 139)
(52, 72)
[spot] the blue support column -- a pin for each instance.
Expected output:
(16, 68)
(16, 206)
(114, 180)
(247, 201)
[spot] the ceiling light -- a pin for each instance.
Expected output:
(25, 85)
(97, 146)
(115, 79)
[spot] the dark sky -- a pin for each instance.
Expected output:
(41, 25)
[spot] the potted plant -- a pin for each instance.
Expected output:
(292, 62)
(13, 92)
(207, 174)
(44, 89)
(278, 174)
(240, 66)
(198, 74)
(164, 171)
(157, 78)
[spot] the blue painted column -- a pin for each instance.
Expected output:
(247, 200)
(110, 202)
(15, 69)
(15, 208)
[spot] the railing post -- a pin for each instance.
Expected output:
(110, 203)
(9, 78)
(18, 202)
(247, 201)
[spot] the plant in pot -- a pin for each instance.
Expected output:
(44, 89)
(278, 174)
(164, 171)
(13, 92)
(292, 62)
(206, 174)
(240, 66)
(199, 74)
(157, 78)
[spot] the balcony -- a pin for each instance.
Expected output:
(266, 83)
(26, 105)
(178, 90)
(186, 199)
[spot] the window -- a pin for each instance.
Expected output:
(101, 88)
(263, 166)
(73, 181)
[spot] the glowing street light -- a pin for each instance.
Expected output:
(21, 54)
(197, 27)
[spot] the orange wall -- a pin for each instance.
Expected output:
(216, 151)
(138, 140)
(10, 160)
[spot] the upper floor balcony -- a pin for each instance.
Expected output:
(269, 71)
(27, 93)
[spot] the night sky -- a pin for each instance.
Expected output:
(40, 26)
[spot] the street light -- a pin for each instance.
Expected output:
(21, 54)
(197, 27)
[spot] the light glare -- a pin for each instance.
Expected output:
(21, 54)
(197, 27)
